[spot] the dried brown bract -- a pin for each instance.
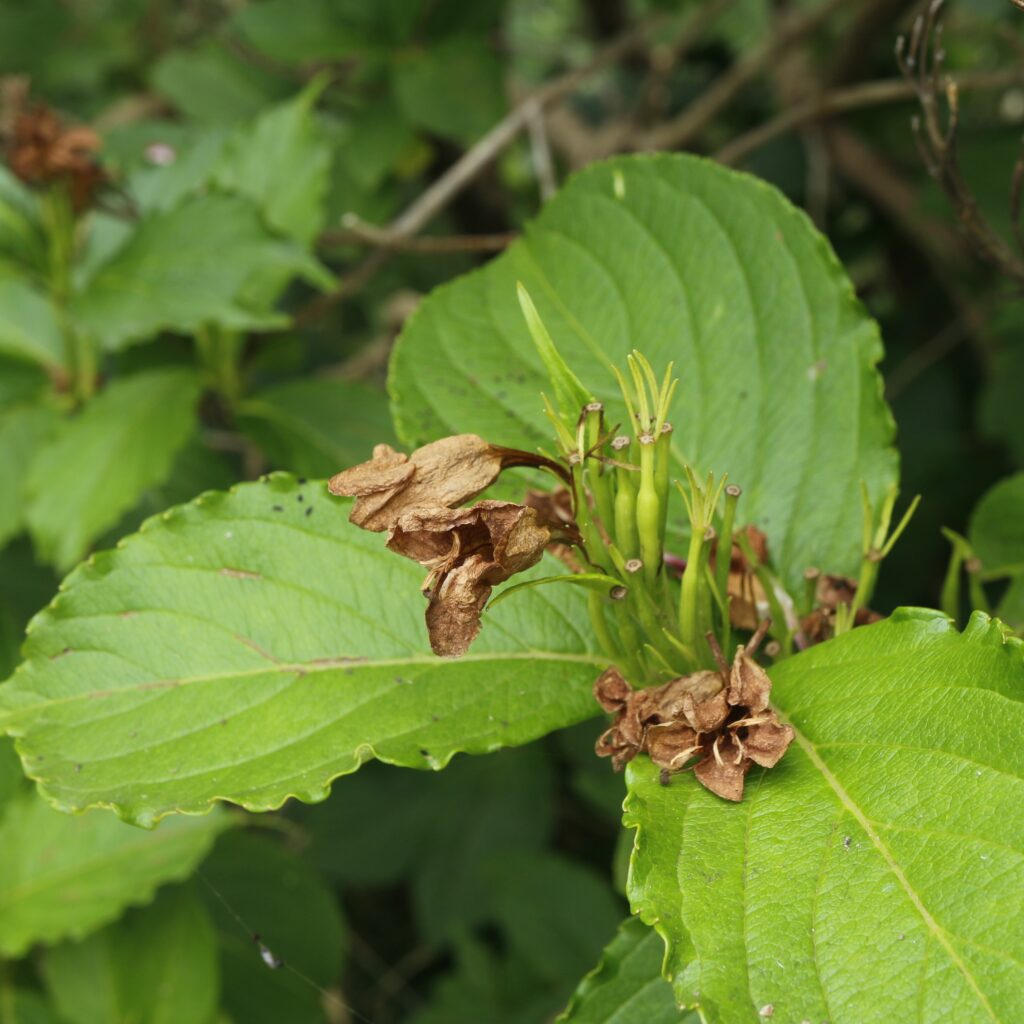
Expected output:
(468, 551)
(416, 499)
(41, 150)
(722, 721)
(442, 474)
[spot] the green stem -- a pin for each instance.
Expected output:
(648, 514)
(626, 538)
(723, 558)
(595, 606)
(220, 353)
(689, 594)
(662, 469)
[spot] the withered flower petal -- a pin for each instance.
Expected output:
(611, 690)
(469, 551)
(453, 614)
(749, 685)
(767, 740)
(42, 150)
(723, 769)
(672, 744)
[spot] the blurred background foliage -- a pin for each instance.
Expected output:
(283, 183)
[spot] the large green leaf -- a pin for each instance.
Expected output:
(689, 262)
(254, 645)
(316, 426)
(64, 876)
(157, 965)
(627, 986)
(96, 468)
(282, 162)
(209, 260)
(877, 873)
(28, 324)
(23, 428)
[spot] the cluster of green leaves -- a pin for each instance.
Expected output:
(251, 647)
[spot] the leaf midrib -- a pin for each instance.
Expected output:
(299, 669)
(936, 930)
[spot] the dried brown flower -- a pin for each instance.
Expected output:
(721, 720)
(748, 598)
(416, 499)
(832, 591)
(442, 474)
(42, 150)
(468, 551)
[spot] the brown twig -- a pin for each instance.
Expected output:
(922, 61)
(355, 230)
(687, 125)
(442, 191)
(854, 97)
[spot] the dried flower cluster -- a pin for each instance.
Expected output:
(41, 151)
(718, 721)
(416, 499)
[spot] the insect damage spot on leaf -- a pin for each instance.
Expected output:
(240, 574)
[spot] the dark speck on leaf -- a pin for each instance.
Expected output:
(309, 511)
(78, 767)
(425, 753)
(402, 682)
(300, 497)
(665, 778)
(223, 721)
(504, 724)
(301, 480)
(846, 842)
(435, 718)
(279, 508)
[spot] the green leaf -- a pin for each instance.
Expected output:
(210, 84)
(253, 646)
(300, 31)
(23, 429)
(316, 426)
(280, 898)
(996, 530)
(282, 162)
(209, 260)
(157, 965)
(98, 465)
(62, 876)
(28, 327)
(690, 262)
(876, 871)
(378, 138)
(452, 88)
(627, 985)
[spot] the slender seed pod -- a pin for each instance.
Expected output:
(648, 513)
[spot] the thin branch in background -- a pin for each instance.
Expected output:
(681, 130)
(441, 192)
(356, 230)
(540, 155)
(854, 97)
(922, 62)
(921, 358)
